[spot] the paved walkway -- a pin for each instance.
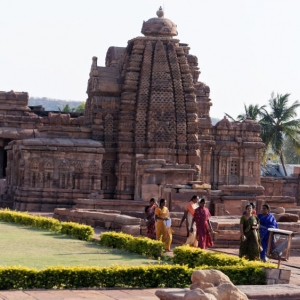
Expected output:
(134, 294)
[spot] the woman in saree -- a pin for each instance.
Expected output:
(188, 215)
(203, 226)
(250, 241)
(150, 218)
(267, 220)
(163, 224)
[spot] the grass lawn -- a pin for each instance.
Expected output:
(34, 248)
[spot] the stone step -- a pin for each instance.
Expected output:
(226, 244)
(233, 235)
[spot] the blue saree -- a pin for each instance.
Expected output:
(266, 221)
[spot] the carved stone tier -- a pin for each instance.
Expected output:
(49, 173)
(242, 189)
(111, 204)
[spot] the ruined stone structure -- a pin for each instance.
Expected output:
(146, 132)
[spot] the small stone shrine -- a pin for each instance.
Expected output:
(146, 132)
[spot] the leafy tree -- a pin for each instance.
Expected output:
(280, 124)
(291, 153)
(66, 108)
(80, 108)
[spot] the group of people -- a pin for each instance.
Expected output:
(199, 229)
(158, 222)
(253, 228)
(254, 232)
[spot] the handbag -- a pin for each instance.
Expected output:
(168, 222)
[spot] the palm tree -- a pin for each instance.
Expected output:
(253, 111)
(280, 124)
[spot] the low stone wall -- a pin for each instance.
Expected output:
(110, 219)
(277, 276)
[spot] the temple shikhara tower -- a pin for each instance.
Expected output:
(146, 132)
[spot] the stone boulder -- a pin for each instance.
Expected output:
(199, 294)
(285, 217)
(216, 283)
(226, 291)
(208, 278)
(206, 285)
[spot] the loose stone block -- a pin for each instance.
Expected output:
(272, 273)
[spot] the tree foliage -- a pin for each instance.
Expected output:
(66, 108)
(279, 124)
(290, 152)
(252, 111)
(80, 108)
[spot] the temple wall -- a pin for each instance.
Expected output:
(45, 173)
(283, 186)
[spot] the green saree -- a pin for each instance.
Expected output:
(250, 248)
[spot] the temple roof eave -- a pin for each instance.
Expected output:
(57, 142)
(154, 38)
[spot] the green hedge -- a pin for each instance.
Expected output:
(153, 276)
(78, 231)
(94, 277)
(194, 257)
(239, 270)
(140, 245)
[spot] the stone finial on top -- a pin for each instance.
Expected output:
(160, 12)
(159, 26)
(94, 70)
(224, 124)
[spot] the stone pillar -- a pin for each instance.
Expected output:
(138, 178)
(2, 167)
(206, 163)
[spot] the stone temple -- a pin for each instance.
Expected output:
(146, 132)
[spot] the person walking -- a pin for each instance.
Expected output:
(163, 224)
(250, 246)
(203, 226)
(267, 220)
(150, 218)
(188, 215)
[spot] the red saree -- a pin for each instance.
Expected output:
(201, 217)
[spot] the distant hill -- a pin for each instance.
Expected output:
(214, 121)
(52, 104)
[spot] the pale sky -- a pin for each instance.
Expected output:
(246, 48)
